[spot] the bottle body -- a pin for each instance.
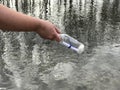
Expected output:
(71, 43)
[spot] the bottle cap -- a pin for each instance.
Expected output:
(81, 48)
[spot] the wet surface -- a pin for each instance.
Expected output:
(28, 62)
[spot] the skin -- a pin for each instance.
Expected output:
(10, 20)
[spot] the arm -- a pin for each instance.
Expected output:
(15, 21)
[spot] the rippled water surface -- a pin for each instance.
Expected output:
(27, 62)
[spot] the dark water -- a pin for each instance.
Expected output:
(28, 62)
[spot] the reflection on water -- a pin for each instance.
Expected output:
(28, 62)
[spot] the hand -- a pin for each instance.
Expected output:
(48, 31)
(22, 22)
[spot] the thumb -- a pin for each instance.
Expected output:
(57, 30)
(57, 38)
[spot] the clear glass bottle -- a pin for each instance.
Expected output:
(71, 43)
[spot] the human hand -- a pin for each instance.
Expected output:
(48, 31)
(25, 23)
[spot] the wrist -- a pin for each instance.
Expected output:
(39, 25)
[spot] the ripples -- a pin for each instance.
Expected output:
(30, 63)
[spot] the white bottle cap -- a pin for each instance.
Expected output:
(81, 48)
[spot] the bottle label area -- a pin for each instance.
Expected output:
(71, 43)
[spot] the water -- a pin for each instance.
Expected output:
(28, 62)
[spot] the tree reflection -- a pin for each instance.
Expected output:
(45, 8)
(114, 21)
(108, 30)
(25, 6)
(91, 26)
(73, 21)
(104, 20)
(68, 18)
(115, 13)
(80, 5)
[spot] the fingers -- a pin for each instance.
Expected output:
(57, 38)
(57, 30)
(57, 34)
(49, 31)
